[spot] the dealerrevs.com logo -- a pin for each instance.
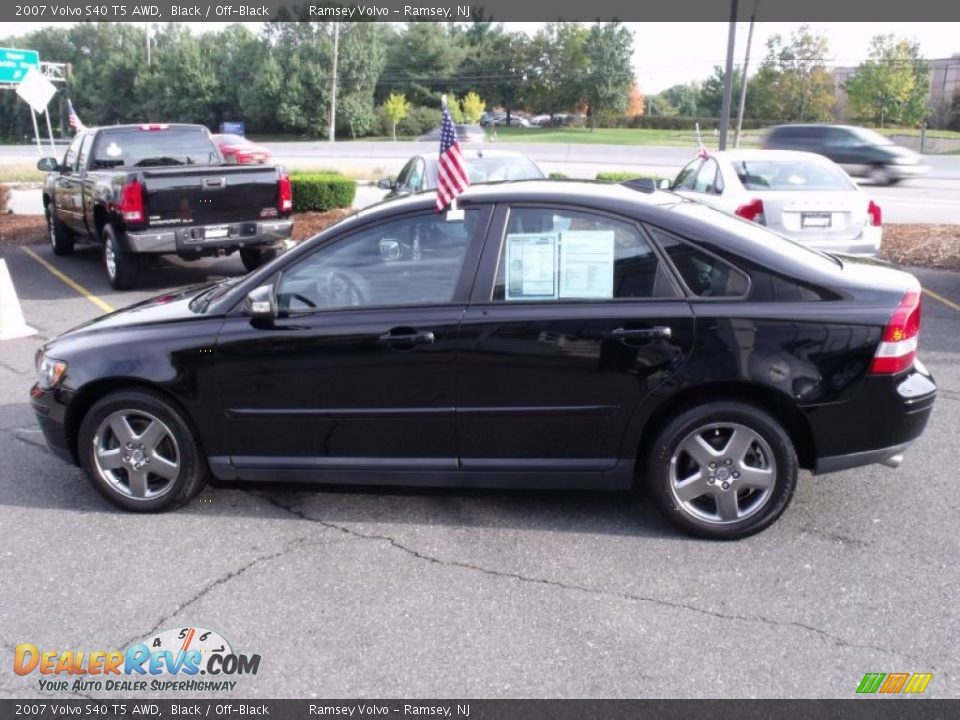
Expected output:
(190, 659)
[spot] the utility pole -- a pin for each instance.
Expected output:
(333, 81)
(147, 29)
(743, 76)
(728, 77)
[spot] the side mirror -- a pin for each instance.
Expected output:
(664, 184)
(261, 303)
(48, 164)
(385, 184)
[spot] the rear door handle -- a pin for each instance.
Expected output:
(659, 331)
(407, 337)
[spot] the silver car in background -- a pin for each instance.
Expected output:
(802, 195)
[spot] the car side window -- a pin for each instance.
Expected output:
(84, 154)
(687, 176)
(70, 158)
(401, 181)
(706, 178)
(414, 260)
(561, 254)
(705, 275)
(415, 178)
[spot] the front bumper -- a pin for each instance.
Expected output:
(51, 413)
(199, 238)
(888, 414)
(904, 172)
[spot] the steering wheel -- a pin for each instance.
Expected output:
(341, 289)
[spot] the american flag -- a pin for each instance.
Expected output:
(701, 148)
(452, 171)
(74, 119)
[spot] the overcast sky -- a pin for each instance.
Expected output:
(669, 53)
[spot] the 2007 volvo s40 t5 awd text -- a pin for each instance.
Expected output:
(566, 335)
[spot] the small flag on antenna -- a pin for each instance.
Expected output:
(73, 118)
(452, 178)
(701, 148)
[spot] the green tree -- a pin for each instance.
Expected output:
(473, 107)
(892, 84)
(422, 63)
(396, 108)
(610, 72)
(793, 82)
(557, 63)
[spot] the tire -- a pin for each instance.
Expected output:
(61, 239)
(879, 175)
(121, 267)
(254, 258)
(753, 480)
(161, 468)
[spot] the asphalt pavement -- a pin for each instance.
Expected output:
(410, 593)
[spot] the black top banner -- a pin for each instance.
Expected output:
(496, 10)
(435, 709)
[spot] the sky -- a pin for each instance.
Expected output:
(666, 54)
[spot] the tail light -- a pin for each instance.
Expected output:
(153, 127)
(131, 202)
(285, 194)
(899, 345)
(752, 211)
(874, 216)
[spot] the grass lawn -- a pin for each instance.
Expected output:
(610, 136)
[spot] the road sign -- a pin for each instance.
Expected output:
(36, 90)
(15, 63)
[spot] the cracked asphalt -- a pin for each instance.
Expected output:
(427, 593)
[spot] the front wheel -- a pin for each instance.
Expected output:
(723, 470)
(253, 258)
(879, 175)
(121, 267)
(140, 453)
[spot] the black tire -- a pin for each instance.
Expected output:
(142, 407)
(254, 258)
(769, 457)
(61, 239)
(122, 272)
(880, 175)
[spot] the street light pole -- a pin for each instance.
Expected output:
(728, 77)
(743, 77)
(333, 81)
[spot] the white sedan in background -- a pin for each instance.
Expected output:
(801, 195)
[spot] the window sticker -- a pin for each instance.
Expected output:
(113, 150)
(586, 264)
(532, 266)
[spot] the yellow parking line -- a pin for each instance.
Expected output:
(70, 282)
(941, 298)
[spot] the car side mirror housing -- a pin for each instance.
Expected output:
(664, 184)
(385, 184)
(48, 164)
(261, 303)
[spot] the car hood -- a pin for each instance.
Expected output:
(169, 307)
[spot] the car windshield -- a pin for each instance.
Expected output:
(492, 169)
(763, 174)
(154, 148)
(757, 233)
(233, 140)
(869, 137)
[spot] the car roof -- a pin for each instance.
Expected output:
(472, 153)
(758, 154)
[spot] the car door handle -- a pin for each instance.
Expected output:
(659, 331)
(422, 337)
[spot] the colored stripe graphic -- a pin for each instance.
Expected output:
(918, 682)
(871, 682)
(894, 683)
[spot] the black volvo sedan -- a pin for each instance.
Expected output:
(564, 335)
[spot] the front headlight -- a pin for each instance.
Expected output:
(904, 160)
(50, 372)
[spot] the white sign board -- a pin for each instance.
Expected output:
(36, 90)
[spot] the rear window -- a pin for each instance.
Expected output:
(154, 148)
(492, 169)
(790, 175)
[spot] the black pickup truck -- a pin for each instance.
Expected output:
(154, 189)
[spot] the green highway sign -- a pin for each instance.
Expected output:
(15, 63)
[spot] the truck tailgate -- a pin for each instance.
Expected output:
(210, 194)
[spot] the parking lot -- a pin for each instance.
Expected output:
(406, 593)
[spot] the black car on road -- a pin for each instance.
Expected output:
(154, 189)
(562, 335)
(859, 151)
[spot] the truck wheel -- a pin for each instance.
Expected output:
(121, 267)
(61, 239)
(255, 257)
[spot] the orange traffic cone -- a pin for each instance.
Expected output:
(12, 324)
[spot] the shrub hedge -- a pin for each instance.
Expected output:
(677, 122)
(620, 176)
(321, 191)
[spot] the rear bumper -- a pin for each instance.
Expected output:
(887, 415)
(866, 243)
(198, 238)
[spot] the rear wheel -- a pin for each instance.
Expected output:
(140, 453)
(121, 267)
(722, 470)
(61, 239)
(253, 258)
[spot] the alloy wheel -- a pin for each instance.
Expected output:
(136, 454)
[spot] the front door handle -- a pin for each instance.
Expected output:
(406, 336)
(658, 331)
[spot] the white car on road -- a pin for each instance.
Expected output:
(802, 195)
